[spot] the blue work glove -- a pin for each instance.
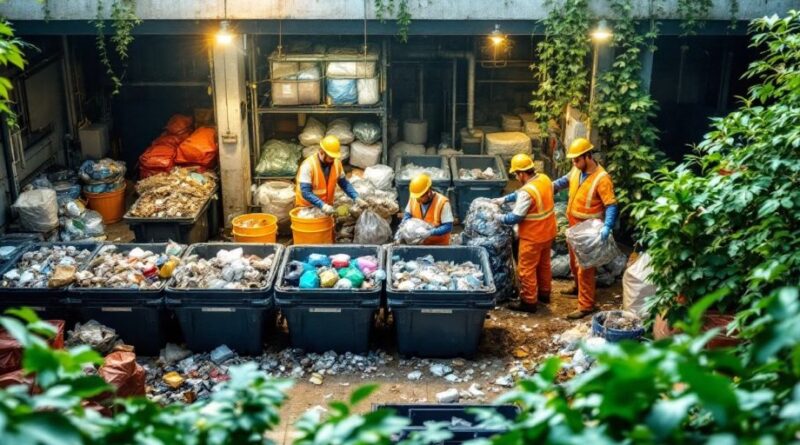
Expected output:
(604, 234)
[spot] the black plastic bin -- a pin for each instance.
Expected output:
(138, 315)
(463, 423)
(328, 319)
(181, 230)
(466, 190)
(439, 323)
(237, 318)
(425, 161)
(48, 303)
(18, 244)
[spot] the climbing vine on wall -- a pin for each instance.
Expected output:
(560, 67)
(11, 55)
(623, 110)
(123, 20)
(692, 14)
(384, 8)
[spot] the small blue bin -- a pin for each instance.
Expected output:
(466, 190)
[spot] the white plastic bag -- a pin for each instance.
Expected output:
(276, 198)
(381, 176)
(38, 210)
(342, 130)
(368, 91)
(635, 287)
(590, 249)
(363, 155)
(372, 229)
(312, 133)
(310, 150)
(413, 231)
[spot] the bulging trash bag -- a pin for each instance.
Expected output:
(590, 250)
(312, 133)
(328, 277)
(353, 275)
(365, 155)
(340, 260)
(342, 91)
(560, 266)
(342, 129)
(38, 210)
(276, 198)
(381, 176)
(413, 231)
(367, 132)
(343, 283)
(372, 229)
(102, 171)
(309, 280)
(367, 264)
(294, 270)
(318, 260)
(636, 286)
(278, 158)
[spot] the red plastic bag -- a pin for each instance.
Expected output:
(121, 371)
(156, 159)
(199, 149)
(179, 125)
(11, 350)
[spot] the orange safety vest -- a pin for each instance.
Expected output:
(432, 217)
(323, 188)
(539, 224)
(585, 201)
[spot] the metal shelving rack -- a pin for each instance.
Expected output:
(259, 105)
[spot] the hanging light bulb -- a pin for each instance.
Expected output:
(496, 36)
(602, 32)
(224, 36)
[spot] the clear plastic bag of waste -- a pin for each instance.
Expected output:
(381, 176)
(102, 171)
(590, 250)
(342, 130)
(372, 229)
(312, 133)
(482, 229)
(38, 210)
(367, 132)
(276, 198)
(413, 231)
(278, 158)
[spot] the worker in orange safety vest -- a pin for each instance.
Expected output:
(432, 207)
(318, 176)
(591, 195)
(533, 211)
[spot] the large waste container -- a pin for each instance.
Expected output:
(48, 303)
(401, 185)
(188, 230)
(466, 190)
(460, 420)
(137, 315)
(439, 323)
(237, 318)
(319, 319)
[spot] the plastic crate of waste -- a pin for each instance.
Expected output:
(34, 278)
(439, 296)
(222, 294)
(404, 172)
(330, 318)
(185, 230)
(475, 177)
(112, 291)
(464, 422)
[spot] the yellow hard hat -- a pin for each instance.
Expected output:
(330, 145)
(578, 147)
(520, 162)
(419, 185)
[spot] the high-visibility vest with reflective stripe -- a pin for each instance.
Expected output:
(584, 199)
(539, 224)
(432, 217)
(322, 187)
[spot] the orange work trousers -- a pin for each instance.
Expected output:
(535, 274)
(584, 278)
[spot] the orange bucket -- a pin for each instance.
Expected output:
(255, 228)
(311, 230)
(110, 205)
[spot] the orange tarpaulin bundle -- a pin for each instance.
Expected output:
(169, 139)
(11, 350)
(156, 159)
(122, 372)
(199, 149)
(179, 125)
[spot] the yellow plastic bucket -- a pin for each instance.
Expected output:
(255, 228)
(311, 230)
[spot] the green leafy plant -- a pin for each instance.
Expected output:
(123, 20)
(384, 8)
(561, 66)
(623, 110)
(11, 55)
(728, 217)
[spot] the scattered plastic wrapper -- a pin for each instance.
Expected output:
(413, 231)
(411, 170)
(46, 267)
(590, 250)
(228, 269)
(180, 193)
(133, 269)
(427, 274)
(476, 173)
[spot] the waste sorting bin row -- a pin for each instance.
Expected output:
(429, 323)
(464, 190)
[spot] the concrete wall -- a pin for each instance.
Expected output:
(354, 9)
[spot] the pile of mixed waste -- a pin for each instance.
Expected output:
(78, 223)
(476, 173)
(179, 194)
(335, 271)
(425, 273)
(228, 269)
(46, 267)
(375, 187)
(135, 268)
(410, 170)
(482, 229)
